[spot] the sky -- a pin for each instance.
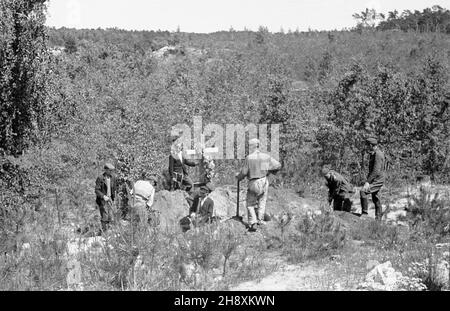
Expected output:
(205, 16)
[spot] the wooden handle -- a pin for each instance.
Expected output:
(238, 191)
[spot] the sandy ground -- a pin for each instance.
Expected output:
(288, 278)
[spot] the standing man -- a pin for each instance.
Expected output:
(144, 193)
(105, 191)
(177, 166)
(339, 190)
(256, 167)
(375, 179)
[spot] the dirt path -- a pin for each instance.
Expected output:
(289, 278)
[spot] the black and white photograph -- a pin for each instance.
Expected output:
(225, 152)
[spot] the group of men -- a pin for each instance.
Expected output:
(256, 168)
(340, 189)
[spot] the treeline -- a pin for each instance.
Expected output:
(434, 19)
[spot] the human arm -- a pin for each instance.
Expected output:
(377, 168)
(193, 208)
(151, 198)
(171, 166)
(189, 162)
(274, 166)
(98, 190)
(243, 172)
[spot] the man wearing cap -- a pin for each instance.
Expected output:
(105, 191)
(177, 165)
(339, 190)
(257, 166)
(202, 208)
(144, 193)
(375, 179)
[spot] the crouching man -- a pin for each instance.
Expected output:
(339, 190)
(144, 193)
(256, 168)
(201, 210)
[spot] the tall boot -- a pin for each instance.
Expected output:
(364, 206)
(378, 207)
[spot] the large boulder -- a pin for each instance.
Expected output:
(383, 277)
(225, 204)
(172, 206)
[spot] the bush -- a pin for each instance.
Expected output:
(315, 236)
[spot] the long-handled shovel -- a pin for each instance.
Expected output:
(237, 217)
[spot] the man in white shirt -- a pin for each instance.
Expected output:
(256, 168)
(144, 193)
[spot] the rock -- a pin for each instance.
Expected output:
(139, 265)
(189, 273)
(172, 206)
(442, 273)
(402, 224)
(225, 203)
(74, 274)
(92, 245)
(396, 215)
(371, 264)
(383, 277)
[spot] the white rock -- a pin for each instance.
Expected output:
(442, 273)
(395, 215)
(92, 245)
(74, 274)
(383, 275)
(372, 264)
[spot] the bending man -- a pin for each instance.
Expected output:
(339, 190)
(143, 199)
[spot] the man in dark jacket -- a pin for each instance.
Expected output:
(202, 208)
(339, 190)
(177, 167)
(375, 179)
(105, 191)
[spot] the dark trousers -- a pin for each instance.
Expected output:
(342, 203)
(374, 192)
(106, 215)
(186, 181)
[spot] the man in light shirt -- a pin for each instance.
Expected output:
(256, 167)
(144, 193)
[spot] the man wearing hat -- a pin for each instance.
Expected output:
(256, 167)
(339, 190)
(375, 179)
(144, 193)
(105, 191)
(202, 208)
